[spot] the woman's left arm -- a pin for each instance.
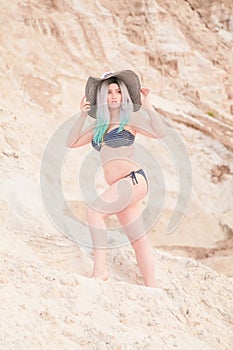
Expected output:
(152, 126)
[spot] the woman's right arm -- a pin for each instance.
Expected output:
(75, 138)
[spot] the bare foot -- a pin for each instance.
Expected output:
(100, 275)
(151, 284)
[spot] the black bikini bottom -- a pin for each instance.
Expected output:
(134, 178)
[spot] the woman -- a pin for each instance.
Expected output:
(115, 101)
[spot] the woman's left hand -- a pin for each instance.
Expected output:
(145, 97)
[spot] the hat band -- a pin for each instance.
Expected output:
(106, 74)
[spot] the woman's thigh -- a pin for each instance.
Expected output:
(120, 195)
(131, 221)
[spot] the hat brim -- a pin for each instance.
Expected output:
(131, 81)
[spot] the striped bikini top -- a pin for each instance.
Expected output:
(115, 139)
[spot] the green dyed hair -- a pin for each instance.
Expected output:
(102, 112)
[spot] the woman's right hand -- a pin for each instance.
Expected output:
(84, 105)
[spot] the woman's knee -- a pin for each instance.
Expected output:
(93, 215)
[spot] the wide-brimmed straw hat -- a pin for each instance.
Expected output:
(130, 79)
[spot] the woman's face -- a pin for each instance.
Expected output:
(114, 96)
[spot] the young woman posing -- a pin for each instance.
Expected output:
(115, 101)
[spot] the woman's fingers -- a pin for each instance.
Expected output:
(83, 99)
(84, 104)
(145, 91)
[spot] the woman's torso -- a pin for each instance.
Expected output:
(117, 153)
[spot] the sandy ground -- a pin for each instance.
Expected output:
(47, 298)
